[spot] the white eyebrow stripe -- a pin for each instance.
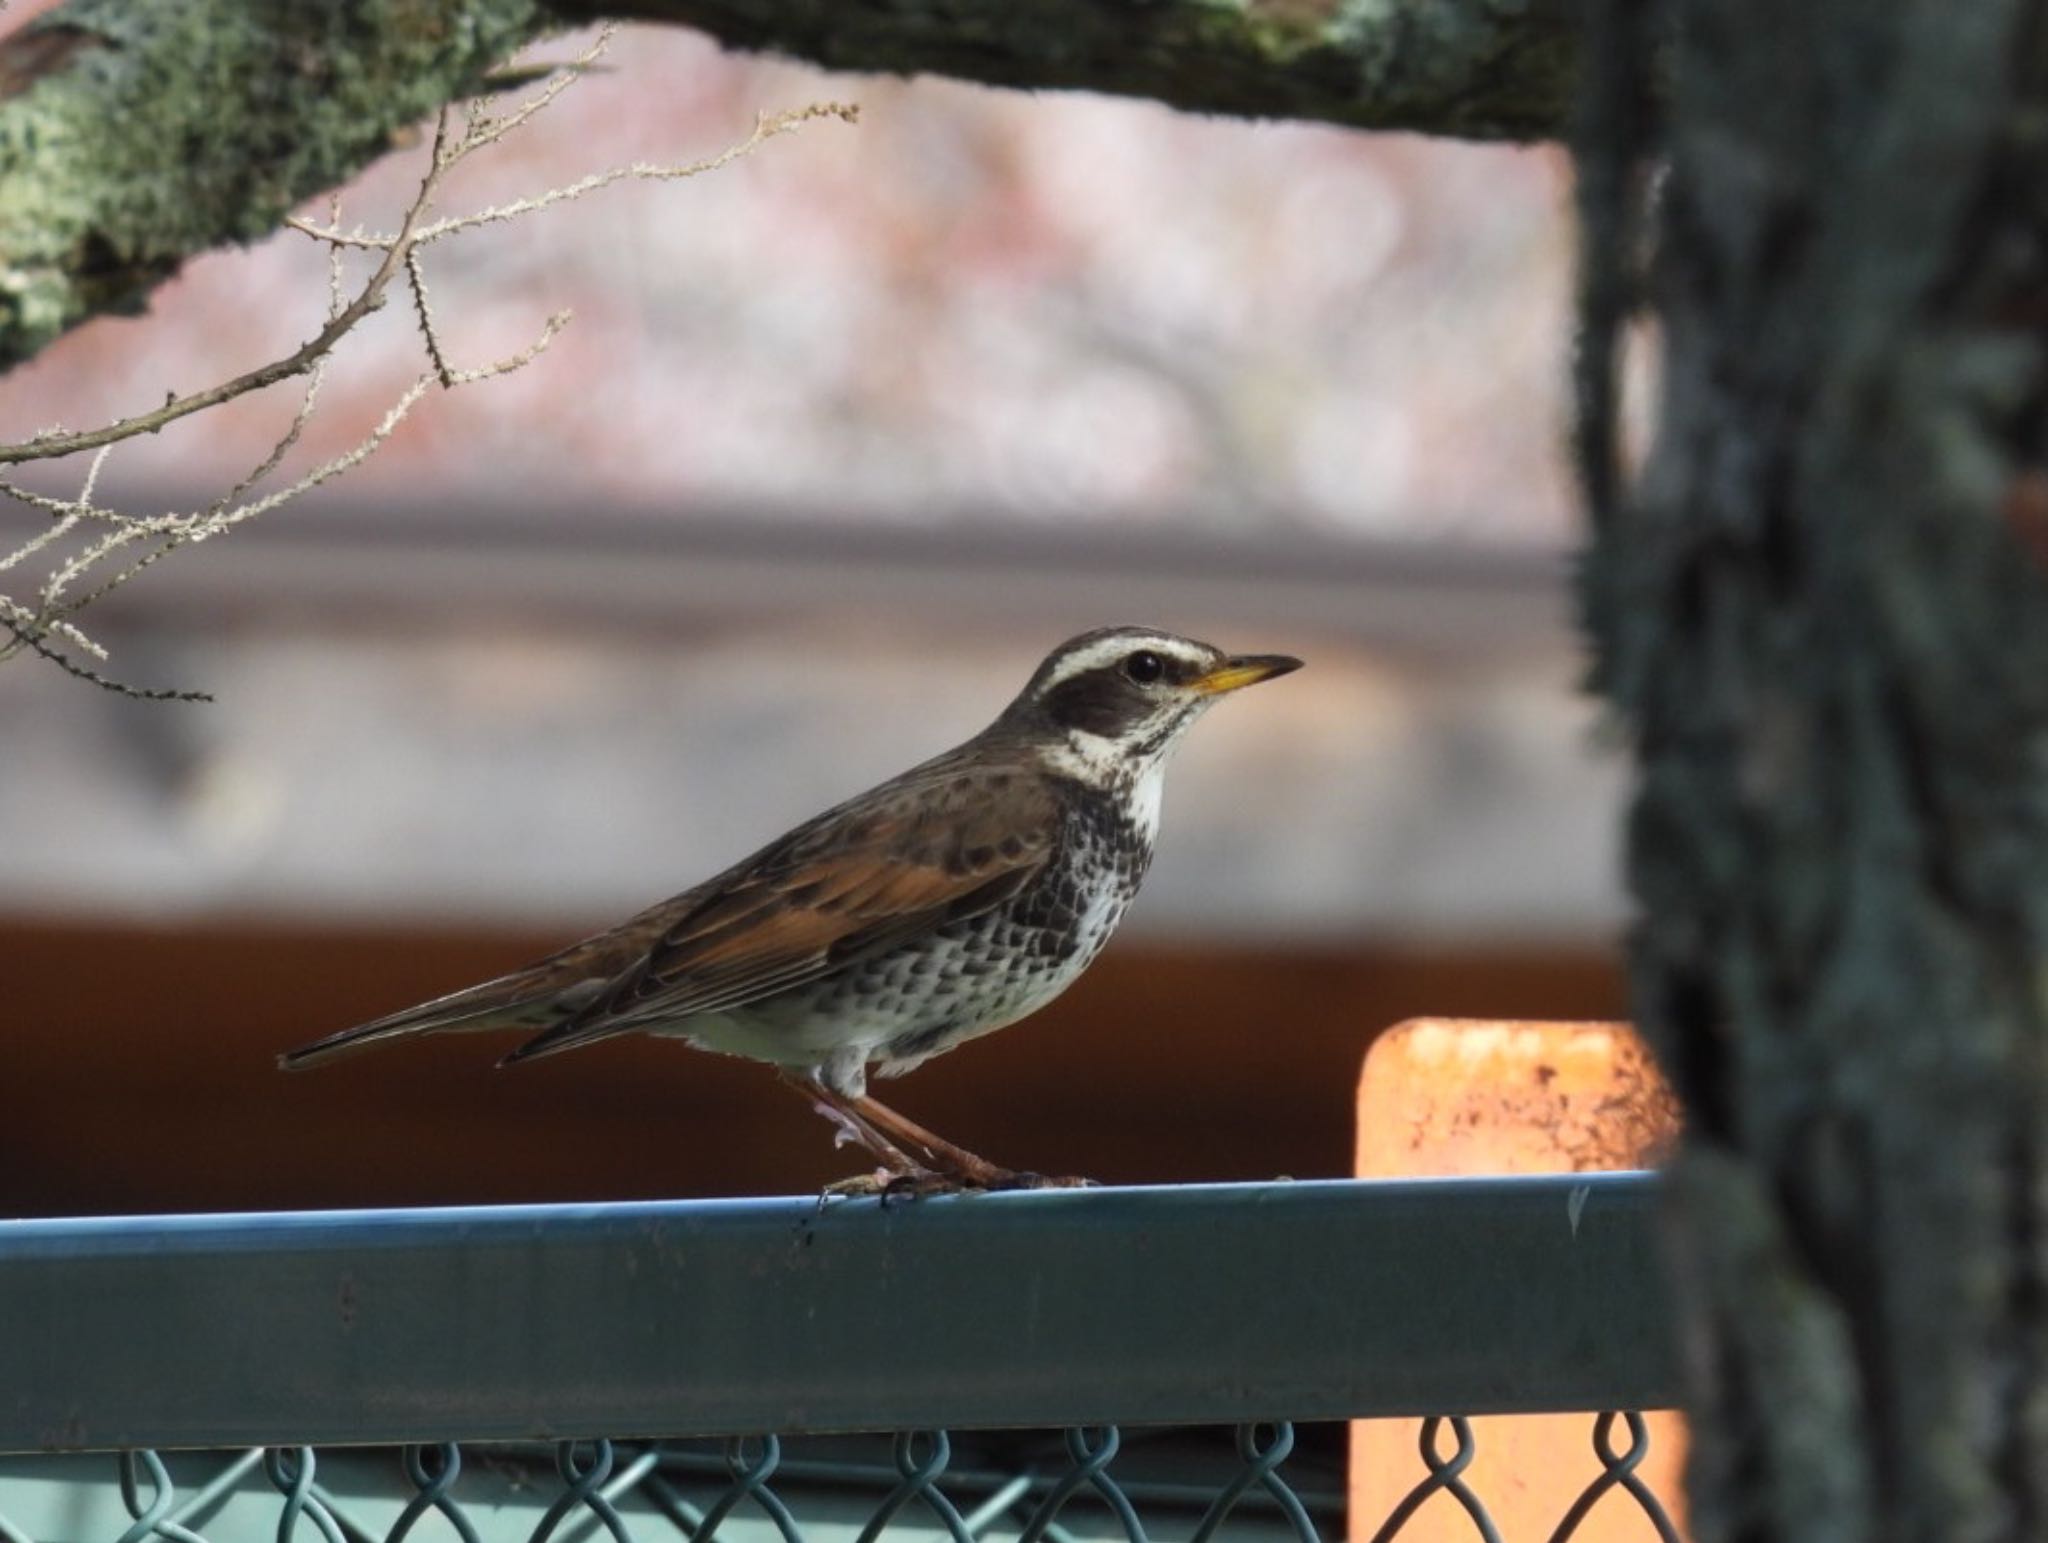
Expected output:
(1108, 651)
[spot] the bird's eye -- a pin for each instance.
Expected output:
(1144, 667)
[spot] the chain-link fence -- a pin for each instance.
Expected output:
(1113, 1364)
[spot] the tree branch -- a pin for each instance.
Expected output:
(1472, 69)
(134, 136)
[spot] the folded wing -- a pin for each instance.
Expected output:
(865, 879)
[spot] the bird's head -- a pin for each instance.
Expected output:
(1106, 707)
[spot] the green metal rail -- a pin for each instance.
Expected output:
(611, 1332)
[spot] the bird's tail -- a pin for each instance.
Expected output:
(571, 1035)
(509, 1002)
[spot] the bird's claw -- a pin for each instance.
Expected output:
(891, 1187)
(861, 1186)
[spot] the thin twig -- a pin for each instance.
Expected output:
(30, 628)
(92, 477)
(298, 362)
(61, 507)
(425, 316)
(282, 448)
(520, 360)
(483, 129)
(334, 264)
(64, 526)
(73, 635)
(180, 531)
(34, 643)
(767, 127)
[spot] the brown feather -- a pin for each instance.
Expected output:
(951, 841)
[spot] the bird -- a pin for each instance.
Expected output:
(938, 906)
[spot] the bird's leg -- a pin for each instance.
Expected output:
(915, 1161)
(898, 1170)
(949, 1159)
(940, 1153)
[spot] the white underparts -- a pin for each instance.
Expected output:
(1146, 792)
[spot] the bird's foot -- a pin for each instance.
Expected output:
(854, 1188)
(861, 1186)
(892, 1187)
(1021, 1180)
(917, 1186)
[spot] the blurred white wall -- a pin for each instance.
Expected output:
(563, 731)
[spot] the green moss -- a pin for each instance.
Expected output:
(1487, 66)
(173, 128)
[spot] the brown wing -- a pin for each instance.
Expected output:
(531, 998)
(864, 878)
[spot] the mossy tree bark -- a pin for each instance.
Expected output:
(133, 136)
(1821, 613)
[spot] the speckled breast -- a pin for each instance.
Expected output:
(987, 971)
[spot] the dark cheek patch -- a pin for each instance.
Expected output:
(1099, 702)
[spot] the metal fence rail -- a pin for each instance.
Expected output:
(1042, 1331)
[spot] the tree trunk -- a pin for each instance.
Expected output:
(1820, 615)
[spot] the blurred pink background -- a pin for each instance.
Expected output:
(973, 306)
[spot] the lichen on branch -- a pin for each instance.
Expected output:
(134, 136)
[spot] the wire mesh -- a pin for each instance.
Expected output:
(1077, 1487)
